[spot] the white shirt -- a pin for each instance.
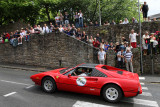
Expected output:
(45, 29)
(22, 34)
(40, 29)
(102, 46)
(144, 37)
(101, 55)
(61, 29)
(155, 43)
(83, 74)
(133, 37)
(57, 19)
(128, 55)
(119, 58)
(126, 22)
(80, 15)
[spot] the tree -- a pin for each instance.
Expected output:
(34, 11)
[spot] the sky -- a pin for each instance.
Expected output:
(154, 6)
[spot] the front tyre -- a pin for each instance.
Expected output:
(112, 93)
(49, 85)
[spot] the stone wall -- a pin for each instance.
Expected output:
(59, 50)
(12, 27)
(115, 32)
(52, 50)
(111, 61)
(147, 64)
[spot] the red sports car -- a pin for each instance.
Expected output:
(96, 79)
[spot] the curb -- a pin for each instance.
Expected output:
(26, 69)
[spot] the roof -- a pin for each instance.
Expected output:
(88, 65)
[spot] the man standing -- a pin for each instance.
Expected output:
(45, 29)
(132, 38)
(120, 56)
(128, 60)
(144, 9)
(66, 18)
(57, 20)
(80, 14)
(101, 56)
(98, 38)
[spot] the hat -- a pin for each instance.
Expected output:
(152, 33)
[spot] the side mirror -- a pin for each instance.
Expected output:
(69, 75)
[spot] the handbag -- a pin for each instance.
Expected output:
(6, 40)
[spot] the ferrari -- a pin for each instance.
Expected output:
(96, 79)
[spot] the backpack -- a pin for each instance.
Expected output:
(15, 42)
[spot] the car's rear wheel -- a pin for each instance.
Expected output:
(49, 85)
(112, 93)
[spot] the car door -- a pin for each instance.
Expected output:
(67, 82)
(80, 84)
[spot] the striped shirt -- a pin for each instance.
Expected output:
(128, 55)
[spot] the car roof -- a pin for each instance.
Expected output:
(88, 65)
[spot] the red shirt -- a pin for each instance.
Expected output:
(7, 36)
(96, 44)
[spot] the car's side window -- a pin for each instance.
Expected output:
(97, 73)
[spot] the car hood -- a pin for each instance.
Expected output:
(55, 71)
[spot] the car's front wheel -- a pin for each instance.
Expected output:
(112, 93)
(49, 85)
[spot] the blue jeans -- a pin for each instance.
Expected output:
(76, 24)
(27, 37)
(81, 22)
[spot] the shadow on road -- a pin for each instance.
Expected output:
(78, 97)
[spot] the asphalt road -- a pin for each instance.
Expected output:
(17, 90)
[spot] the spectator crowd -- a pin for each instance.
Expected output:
(123, 50)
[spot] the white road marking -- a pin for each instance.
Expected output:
(144, 88)
(141, 102)
(9, 94)
(29, 86)
(88, 104)
(14, 82)
(142, 83)
(146, 94)
(142, 78)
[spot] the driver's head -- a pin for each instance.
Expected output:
(84, 70)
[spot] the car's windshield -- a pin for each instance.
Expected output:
(66, 69)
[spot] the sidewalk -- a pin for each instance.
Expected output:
(25, 67)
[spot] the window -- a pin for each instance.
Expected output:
(78, 71)
(97, 73)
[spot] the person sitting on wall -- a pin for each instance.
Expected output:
(133, 39)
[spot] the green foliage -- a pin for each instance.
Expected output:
(34, 11)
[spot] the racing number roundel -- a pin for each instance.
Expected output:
(81, 81)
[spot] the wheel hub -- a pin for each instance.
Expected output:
(48, 85)
(111, 93)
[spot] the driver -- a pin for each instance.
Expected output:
(84, 72)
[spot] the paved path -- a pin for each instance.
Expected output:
(17, 90)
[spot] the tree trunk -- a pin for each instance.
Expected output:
(94, 11)
(47, 12)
